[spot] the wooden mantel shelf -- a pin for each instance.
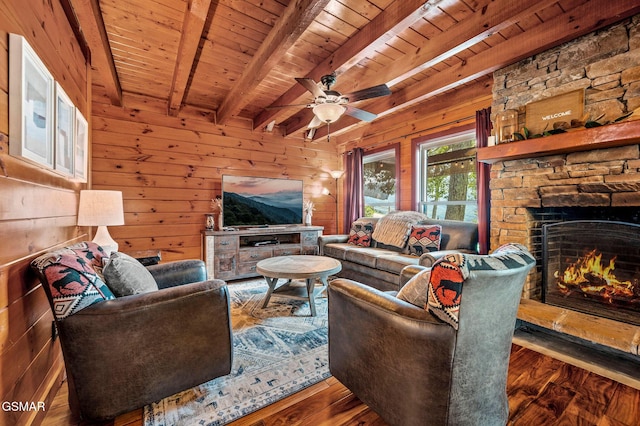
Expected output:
(608, 136)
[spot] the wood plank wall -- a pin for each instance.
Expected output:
(169, 169)
(37, 212)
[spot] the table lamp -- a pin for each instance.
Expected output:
(101, 209)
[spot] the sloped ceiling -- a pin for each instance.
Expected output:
(240, 58)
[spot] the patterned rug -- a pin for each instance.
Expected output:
(277, 352)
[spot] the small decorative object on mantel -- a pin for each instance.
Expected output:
(308, 208)
(541, 115)
(506, 126)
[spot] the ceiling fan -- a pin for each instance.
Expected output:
(329, 105)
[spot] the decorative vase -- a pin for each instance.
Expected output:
(220, 223)
(307, 219)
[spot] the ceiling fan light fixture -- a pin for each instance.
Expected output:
(328, 113)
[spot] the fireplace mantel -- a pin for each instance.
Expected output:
(608, 136)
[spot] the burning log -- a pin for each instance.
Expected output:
(588, 276)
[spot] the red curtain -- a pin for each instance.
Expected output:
(354, 200)
(483, 131)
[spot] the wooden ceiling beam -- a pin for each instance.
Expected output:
(92, 26)
(403, 122)
(295, 20)
(399, 16)
(192, 27)
(485, 22)
(577, 22)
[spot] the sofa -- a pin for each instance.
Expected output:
(379, 263)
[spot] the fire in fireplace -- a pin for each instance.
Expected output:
(593, 266)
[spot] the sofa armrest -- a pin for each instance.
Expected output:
(187, 325)
(179, 272)
(329, 239)
(409, 271)
(428, 259)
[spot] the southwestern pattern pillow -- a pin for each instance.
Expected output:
(360, 234)
(70, 274)
(445, 287)
(448, 275)
(424, 239)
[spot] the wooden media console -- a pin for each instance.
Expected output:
(231, 255)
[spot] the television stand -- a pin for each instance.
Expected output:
(233, 254)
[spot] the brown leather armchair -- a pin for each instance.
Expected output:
(124, 353)
(411, 367)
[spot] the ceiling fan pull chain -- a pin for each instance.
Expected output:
(328, 132)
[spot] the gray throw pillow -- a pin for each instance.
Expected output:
(416, 289)
(125, 276)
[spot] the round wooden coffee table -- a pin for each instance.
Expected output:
(298, 267)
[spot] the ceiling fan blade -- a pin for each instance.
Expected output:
(360, 114)
(311, 86)
(315, 123)
(371, 92)
(286, 106)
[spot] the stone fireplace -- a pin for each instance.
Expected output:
(583, 174)
(530, 193)
(591, 174)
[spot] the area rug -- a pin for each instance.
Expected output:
(278, 351)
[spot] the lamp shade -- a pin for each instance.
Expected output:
(328, 113)
(337, 174)
(100, 208)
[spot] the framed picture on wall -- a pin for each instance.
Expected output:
(31, 104)
(65, 132)
(82, 147)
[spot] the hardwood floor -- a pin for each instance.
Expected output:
(542, 391)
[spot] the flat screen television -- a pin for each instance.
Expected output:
(258, 201)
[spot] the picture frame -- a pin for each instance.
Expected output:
(31, 104)
(65, 133)
(64, 143)
(81, 148)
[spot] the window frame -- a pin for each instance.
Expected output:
(396, 149)
(432, 141)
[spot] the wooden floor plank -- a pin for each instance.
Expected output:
(542, 391)
(625, 405)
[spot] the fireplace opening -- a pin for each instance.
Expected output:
(593, 266)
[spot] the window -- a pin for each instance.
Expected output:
(380, 182)
(447, 176)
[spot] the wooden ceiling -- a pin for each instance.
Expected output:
(238, 57)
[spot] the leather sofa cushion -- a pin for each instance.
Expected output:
(456, 235)
(394, 263)
(338, 250)
(366, 256)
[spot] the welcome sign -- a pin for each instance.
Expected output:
(542, 114)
